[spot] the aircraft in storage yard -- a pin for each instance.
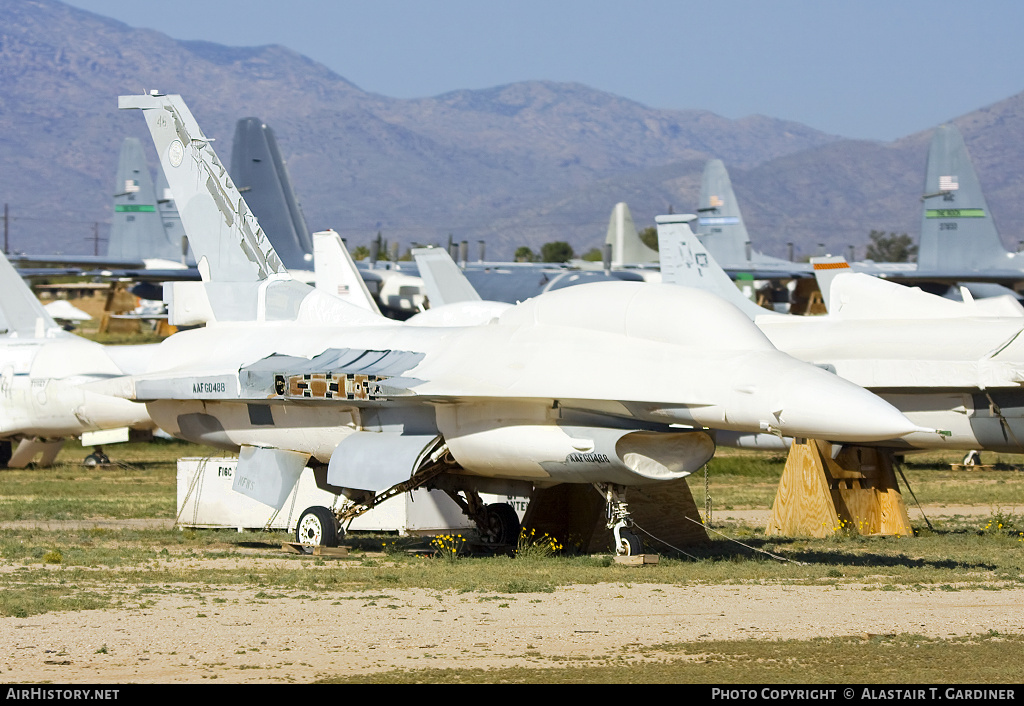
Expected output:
(591, 384)
(954, 365)
(42, 371)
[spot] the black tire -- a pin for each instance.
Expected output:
(629, 543)
(317, 526)
(6, 451)
(95, 459)
(502, 525)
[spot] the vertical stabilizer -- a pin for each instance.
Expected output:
(136, 230)
(225, 237)
(686, 262)
(173, 230)
(720, 223)
(337, 274)
(21, 314)
(260, 173)
(627, 248)
(957, 230)
(825, 270)
(443, 280)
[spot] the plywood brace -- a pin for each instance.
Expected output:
(856, 492)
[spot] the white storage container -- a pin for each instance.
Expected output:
(205, 499)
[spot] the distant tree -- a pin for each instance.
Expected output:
(557, 251)
(524, 254)
(891, 247)
(593, 255)
(649, 236)
(361, 253)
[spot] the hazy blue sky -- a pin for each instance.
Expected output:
(867, 69)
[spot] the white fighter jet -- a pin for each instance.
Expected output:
(612, 384)
(955, 366)
(42, 371)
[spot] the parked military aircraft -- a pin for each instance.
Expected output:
(955, 366)
(959, 245)
(584, 385)
(42, 372)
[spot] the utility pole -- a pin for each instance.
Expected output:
(95, 238)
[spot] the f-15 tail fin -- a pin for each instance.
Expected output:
(957, 230)
(627, 248)
(720, 223)
(686, 262)
(259, 171)
(137, 230)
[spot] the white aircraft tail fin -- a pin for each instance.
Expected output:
(627, 248)
(825, 270)
(720, 222)
(243, 277)
(443, 280)
(227, 241)
(336, 273)
(21, 313)
(686, 262)
(957, 230)
(171, 219)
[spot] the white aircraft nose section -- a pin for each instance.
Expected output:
(824, 406)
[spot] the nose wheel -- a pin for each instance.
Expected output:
(627, 542)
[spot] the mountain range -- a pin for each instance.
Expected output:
(520, 164)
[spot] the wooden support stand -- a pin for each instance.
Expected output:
(119, 301)
(856, 492)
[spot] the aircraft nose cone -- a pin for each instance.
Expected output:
(821, 405)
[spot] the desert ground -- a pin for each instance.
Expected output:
(231, 634)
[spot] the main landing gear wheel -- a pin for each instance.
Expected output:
(502, 524)
(629, 543)
(96, 458)
(318, 527)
